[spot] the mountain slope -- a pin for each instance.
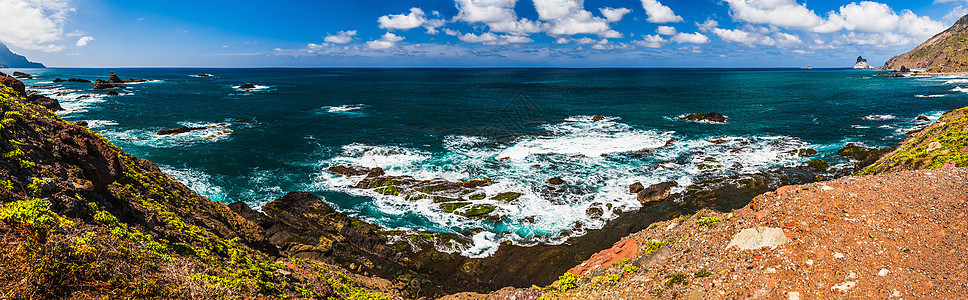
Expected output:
(12, 60)
(946, 52)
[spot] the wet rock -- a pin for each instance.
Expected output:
(818, 165)
(655, 192)
(81, 123)
(59, 80)
(349, 170)
(112, 93)
(922, 119)
(758, 237)
(45, 101)
(247, 86)
(597, 118)
(862, 156)
(556, 181)
(905, 69)
(184, 129)
(806, 152)
(22, 75)
(100, 84)
(636, 187)
(115, 79)
(203, 75)
(712, 117)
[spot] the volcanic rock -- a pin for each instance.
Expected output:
(22, 75)
(712, 117)
(13, 83)
(112, 93)
(184, 129)
(655, 192)
(247, 86)
(45, 101)
(100, 84)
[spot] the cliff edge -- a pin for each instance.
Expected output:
(946, 52)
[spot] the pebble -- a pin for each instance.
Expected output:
(838, 255)
(794, 295)
(844, 286)
(883, 272)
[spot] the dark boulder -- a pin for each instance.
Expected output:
(905, 69)
(247, 86)
(655, 192)
(115, 79)
(636, 187)
(922, 119)
(712, 117)
(352, 170)
(22, 75)
(59, 80)
(818, 165)
(184, 129)
(45, 101)
(13, 83)
(112, 93)
(556, 181)
(861, 155)
(203, 75)
(100, 84)
(597, 118)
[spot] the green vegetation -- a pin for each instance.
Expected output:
(6, 184)
(32, 212)
(478, 196)
(629, 269)
(701, 274)
(818, 165)
(607, 278)
(707, 221)
(388, 190)
(506, 196)
(567, 281)
(478, 210)
(653, 246)
(346, 290)
(675, 279)
(947, 140)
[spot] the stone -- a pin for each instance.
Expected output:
(758, 237)
(556, 181)
(13, 83)
(115, 79)
(100, 84)
(712, 117)
(22, 75)
(656, 192)
(597, 118)
(112, 93)
(922, 119)
(933, 146)
(636, 187)
(184, 129)
(843, 287)
(653, 259)
(247, 86)
(625, 248)
(49, 103)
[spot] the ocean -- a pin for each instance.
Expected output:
(517, 127)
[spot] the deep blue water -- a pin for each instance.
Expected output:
(458, 124)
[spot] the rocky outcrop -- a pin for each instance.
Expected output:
(45, 101)
(59, 80)
(114, 79)
(22, 75)
(112, 93)
(862, 63)
(862, 156)
(17, 86)
(942, 143)
(945, 52)
(247, 86)
(653, 193)
(100, 84)
(712, 117)
(185, 129)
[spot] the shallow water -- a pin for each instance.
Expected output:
(518, 127)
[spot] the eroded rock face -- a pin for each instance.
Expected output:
(100, 84)
(861, 155)
(45, 101)
(13, 83)
(712, 117)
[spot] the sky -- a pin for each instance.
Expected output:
(470, 33)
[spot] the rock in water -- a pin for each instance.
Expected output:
(655, 192)
(100, 84)
(905, 69)
(861, 63)
(184, 129)
(597, 118)
(247, 86)
(636, 187)
(712, 117)
(22, 75)
(115, 79)
(112, 93)
(556, 181)
(862, 156)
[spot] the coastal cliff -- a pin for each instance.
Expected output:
(83, 219)
(9, 59)
(946, 52)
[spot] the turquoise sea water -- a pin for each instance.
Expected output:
(519, 127)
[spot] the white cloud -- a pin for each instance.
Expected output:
(485, 11)
(921, 28)
(614, 14)
(666, 30)
(403, 21)
(33, 24)
(81, 42)
(586, 40)
(869, 17)
(707, 26)
(659, 13)
(651, 41)
(549, 10)
(489, 38)
(955, 14)
(569, 17)
(451, 32)
(880, 40)
(693, 38)
(388, 40)
(781, 13)
(341, 37)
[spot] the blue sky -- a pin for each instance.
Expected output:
(470, 33)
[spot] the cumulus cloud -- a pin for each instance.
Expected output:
(651, 41)
(693, 38)
(489, 38)
(81, 42)
(659, 13)
(614, 14)
(782, 13)
(403, 21)
(388, 40)
(485, 11)
(341, 37)
(33, 24)
(569, 17)
(666, 30)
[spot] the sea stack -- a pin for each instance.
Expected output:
(861, 63)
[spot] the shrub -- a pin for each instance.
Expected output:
(32, 212)
(708, 221)
(567, 281)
